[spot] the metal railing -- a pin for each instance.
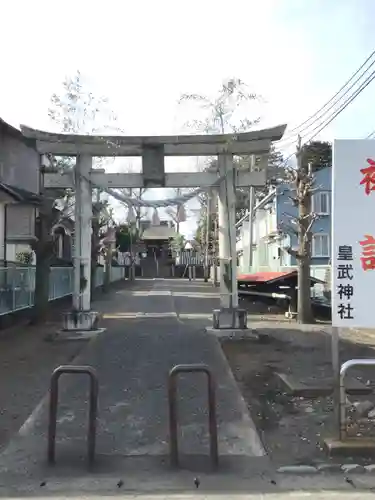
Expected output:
(342, 410)
(173, 415)
(53, 404)
(17, 285)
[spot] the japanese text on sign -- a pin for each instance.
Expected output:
(352, 232)
(344, 276)
(368, 253)
(368, 176)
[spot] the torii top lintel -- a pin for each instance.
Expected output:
(256, 142)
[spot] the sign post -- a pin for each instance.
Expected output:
(353, 242)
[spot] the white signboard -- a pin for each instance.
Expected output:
(353, 233)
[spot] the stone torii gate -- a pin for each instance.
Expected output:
(153, 151)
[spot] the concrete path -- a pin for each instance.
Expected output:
(150, 328)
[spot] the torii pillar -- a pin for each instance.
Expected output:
(81, 318)
(83, 230)
(229, 315)
(153, 150)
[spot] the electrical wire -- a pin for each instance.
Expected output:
(334, 115)
(331, 107)
(365, 84)
(182, 199)
(301, 127)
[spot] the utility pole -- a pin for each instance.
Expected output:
(208, 233)
(215, 236)
(251, 215)
(305, 221)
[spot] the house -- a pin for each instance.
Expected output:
(273, 230)
(156, 238)
(20, 197)
(19, 192)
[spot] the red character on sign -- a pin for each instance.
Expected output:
(368, 253)
(368, 176)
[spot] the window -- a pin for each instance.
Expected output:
(320, 245)
(320, 203)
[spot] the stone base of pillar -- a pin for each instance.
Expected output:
(80, 325)
(206, 274)
(229, 318)
(233, 333)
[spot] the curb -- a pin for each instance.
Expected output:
(327, 468)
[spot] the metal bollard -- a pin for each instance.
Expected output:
(173, 418)
(93, 409)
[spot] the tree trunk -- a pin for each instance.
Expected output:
(43, 251)
(304, 315)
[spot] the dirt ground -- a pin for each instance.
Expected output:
(26, 363)
(293, 428)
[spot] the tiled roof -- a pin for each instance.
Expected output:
(158, 233)
(21, 195)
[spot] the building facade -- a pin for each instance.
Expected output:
(20, 179)
(274, 226)
(19, 192)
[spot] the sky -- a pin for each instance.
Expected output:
(143, 55)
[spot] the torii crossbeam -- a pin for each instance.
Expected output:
(153, 150)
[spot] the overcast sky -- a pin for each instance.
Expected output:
(144, 54)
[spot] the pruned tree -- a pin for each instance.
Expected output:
(74, 110)
(311, 157)
(302, 181)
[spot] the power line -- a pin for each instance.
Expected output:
(334, 103)
(337, 93)
(342, 107)
(319, 128)
(365, 84)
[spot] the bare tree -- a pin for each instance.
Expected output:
(226, 113)
(302, 180)
(311, 157)
(222, 114)
(75, 110)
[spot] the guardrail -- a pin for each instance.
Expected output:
(17, 285)
(342, 413)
